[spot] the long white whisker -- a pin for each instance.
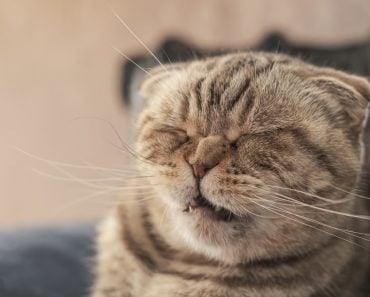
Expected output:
(62, 164)
(243, 208)
(118, 202)
(316, 207)
(308, 225)
(354, 194)
(136, 200)
(345, 231)
(308, 194)
(124, 145)
(132, 61)
(90, 184)
(348, 232)
(100, 193)
(135, 36)
(118, 179)
(80, 200)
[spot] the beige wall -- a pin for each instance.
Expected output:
(57, 63)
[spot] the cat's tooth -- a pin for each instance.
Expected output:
(191, 208)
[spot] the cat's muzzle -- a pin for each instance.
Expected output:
(202, 206)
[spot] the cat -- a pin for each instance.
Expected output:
(353, 58)
(251, 163)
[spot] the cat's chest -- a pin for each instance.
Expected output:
(176, 286)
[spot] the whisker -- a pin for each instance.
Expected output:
(305, 193)
(92, 185)
(135, 36)
(118, 202)
(356, 195)
(125, 147)
(137, 200)
(62, 164)
(289, 203)
(100, 193)
(242, 208)
(118, 179)
(132, 61)
(80, 200)
(168, 58)
(348, 232)
(292, 201)
(316, 207)
(308, 225)
(164, 214)
(256, 215)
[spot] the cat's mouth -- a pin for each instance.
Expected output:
(204, 207)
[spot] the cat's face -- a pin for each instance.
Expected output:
(248, 152)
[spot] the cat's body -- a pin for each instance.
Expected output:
(251, 158)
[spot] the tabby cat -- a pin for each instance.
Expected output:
(252, 161)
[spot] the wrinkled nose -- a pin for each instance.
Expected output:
(208, 153)
(199, 170)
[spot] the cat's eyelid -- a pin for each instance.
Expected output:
(171, 128)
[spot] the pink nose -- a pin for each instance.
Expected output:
(199, 170)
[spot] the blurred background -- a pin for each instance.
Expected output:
(60, 83)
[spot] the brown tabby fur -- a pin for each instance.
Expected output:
(281, 141)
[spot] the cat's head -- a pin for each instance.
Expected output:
(253, 154)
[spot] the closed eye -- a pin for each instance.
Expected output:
(179, 135)
(170, 129)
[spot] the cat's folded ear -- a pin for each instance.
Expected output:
(351, 91)
(360, 84)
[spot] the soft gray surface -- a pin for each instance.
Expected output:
(47, 262)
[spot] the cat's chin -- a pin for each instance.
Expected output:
(206, 228)
(211, 238)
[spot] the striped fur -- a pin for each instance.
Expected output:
(270, 129)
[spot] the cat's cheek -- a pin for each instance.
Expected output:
(179, 189)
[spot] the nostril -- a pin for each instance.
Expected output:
(199, 170)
